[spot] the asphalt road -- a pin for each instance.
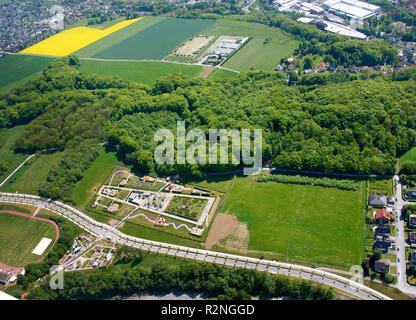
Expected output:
(401, 242)
(102, 230)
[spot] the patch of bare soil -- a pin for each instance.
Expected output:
(206, 70)
(112, 222)
(239, 238)
(223, 225)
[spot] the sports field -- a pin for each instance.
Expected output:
(19, 236)
(146, 72)
(16, 68)
(71, 40)
(260, 54)
(29, 177)
(304, 224)
(156, 41)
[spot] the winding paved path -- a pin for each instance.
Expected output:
(103, 230)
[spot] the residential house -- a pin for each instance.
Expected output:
(412, 221)
(382, 266)
(413, 256)
(383, 231)
(382, 216)
(383, 245)
(411, 195)
(390, 200)
(376, 200)
(412, 237)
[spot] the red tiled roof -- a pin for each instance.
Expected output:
(383, 213)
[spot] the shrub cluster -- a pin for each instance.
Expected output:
(313, 181)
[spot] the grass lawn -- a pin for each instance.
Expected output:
(7, 138)
(381, 186)
(146, 72)
(19, 236)
(156, 41)
(409, 155)
(257, 54)
(246, 29)
(136, 183)
(29, 177)
(117, 37)
(222, 74)
(84, 23)
(16, 69)
(136, 230)
(94, 176)
(300, 223)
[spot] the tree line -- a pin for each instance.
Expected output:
(355, 126)
(219, 282)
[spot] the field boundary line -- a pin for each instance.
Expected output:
(15, 170)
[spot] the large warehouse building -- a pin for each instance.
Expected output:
(352, 8)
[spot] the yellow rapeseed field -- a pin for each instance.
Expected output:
(71, 40)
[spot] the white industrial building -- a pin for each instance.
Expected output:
(352, 8)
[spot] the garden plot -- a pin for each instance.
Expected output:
(193, 47)
(188, 207)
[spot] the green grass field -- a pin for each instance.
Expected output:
(237, 28)
(408, 156)
(257, 54)
(222, 74)
(146, 72)
(7, 138)
(84, 23)
(300, 223)
(19, 236)
(16, 69)
(94, 176)
(156, 41)
(117, 37)
(29, 177)
(381, 186)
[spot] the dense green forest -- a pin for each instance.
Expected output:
(218, 281)
(349, 126)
